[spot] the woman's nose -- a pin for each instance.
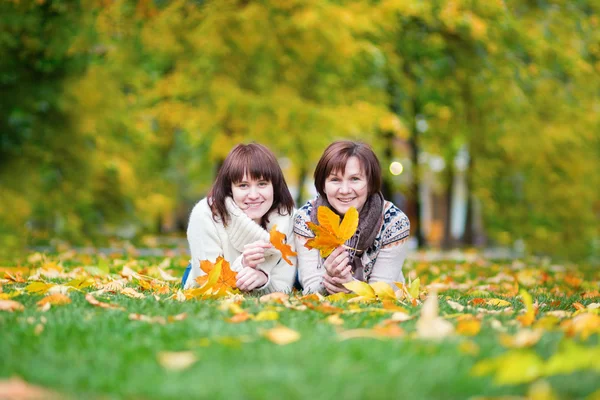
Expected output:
(345, 187)
(253, 193)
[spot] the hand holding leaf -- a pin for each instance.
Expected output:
(330, 233)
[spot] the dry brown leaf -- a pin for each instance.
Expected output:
(131, 292)
(176, 360)
(93, 301)
(282, 335)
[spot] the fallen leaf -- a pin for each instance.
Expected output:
(267, 315)
(497, 303)
(383, 290)
(523, 338)
(54, 299)
(239, 317)
(131, 292)
(430, 325)
(93, 301)
(279, 241)
(529, 316)
(276, 297)
(468, 327)
(334, 319)
(361, 288)
(455, 306)
(176, 360)
(511, 368)
(282, 335)
(18, 389)
(166, 276)
(11, 305)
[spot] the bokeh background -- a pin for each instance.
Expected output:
(115, 115)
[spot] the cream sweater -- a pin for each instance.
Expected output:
(209, 239)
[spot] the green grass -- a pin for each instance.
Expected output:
(90, 352)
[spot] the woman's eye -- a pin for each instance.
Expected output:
(355, 179)
(243, 185)
(262, 184)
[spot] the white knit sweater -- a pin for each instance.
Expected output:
(209, 239)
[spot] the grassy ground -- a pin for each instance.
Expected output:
(84, 351)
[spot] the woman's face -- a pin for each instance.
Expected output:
(347, 190)
(254, 197)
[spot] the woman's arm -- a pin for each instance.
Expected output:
(388, 266)
(310, 273)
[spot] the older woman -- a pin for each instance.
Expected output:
(349, 175)
(248, 197)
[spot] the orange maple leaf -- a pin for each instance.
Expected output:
(279, 241)
(330, 233)
(218, 275)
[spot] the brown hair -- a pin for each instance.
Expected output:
(336, 156)
(258, 162)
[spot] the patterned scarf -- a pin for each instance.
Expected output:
(369, 223)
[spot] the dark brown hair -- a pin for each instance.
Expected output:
(257, 162)
(336, 156)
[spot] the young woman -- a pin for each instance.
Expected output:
(349, 175)
(248, 197)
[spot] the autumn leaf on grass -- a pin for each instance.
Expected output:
(16, 388)
(282, 335)
(279, 241)
(511, 368)
(55, 299)
(363, 289)
(330, 233)
(176, 360)
(468, 327)
(11, 305)
(430, 325)
(218, 276)
(523, 338)
(93, 301)
(529, 316)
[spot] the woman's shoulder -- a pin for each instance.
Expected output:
(302, 217)
(201, 211)
(396, 225)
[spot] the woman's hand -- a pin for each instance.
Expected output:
(254, 253)
(337, 263)
(249, 279)
(334, 284)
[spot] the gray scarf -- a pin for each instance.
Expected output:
(369, 223)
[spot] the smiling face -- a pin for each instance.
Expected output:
(349, 189)
(253, 196)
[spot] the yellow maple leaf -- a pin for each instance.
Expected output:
(330, 233)
(219, 276)
(279, 241)
(361, 288)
